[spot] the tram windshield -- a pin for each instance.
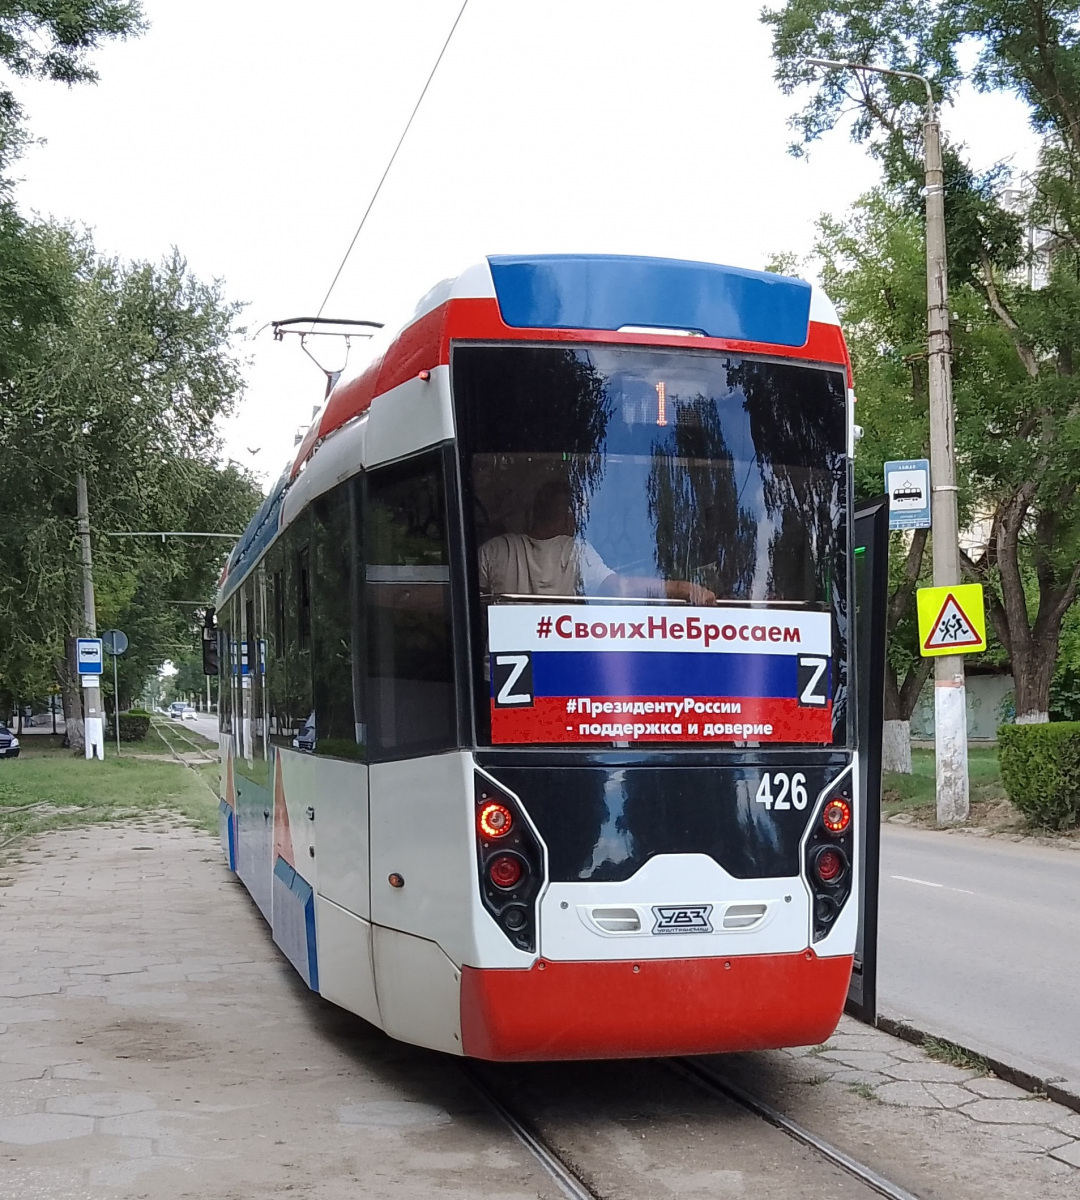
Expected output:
(603, 480)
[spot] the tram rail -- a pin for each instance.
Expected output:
(706, 1079)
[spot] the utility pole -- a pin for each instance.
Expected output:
(950, 692)
(93, 730)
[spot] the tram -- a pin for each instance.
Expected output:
(538, 737)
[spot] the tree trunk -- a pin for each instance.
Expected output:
(896, 747)
(1033, 668)
(67, 677)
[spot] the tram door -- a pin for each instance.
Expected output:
(871, 597)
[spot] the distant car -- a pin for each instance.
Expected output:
(9, 743)
(182, 712)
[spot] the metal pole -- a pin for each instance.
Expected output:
(950, 693)
(116, 705)
(92, 725)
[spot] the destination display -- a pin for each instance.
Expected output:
(646, 673)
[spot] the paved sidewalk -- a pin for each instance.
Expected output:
(153, 1043)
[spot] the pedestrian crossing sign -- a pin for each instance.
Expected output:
(952, 620)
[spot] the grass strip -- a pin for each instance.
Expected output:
(51, 788)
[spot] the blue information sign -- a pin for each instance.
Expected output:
(89, 656)
(907, 484)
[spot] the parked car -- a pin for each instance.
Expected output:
(9, 743)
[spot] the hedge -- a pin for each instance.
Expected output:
(134, 725)
(1040, 769)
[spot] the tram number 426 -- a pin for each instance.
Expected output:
(790, 791)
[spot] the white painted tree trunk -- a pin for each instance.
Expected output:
(1032, 718)
(896, 747)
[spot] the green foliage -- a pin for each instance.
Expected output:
(1040, 768)
(1016, 346)
(134, 726)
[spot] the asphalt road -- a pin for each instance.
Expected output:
(980, 942)
(205, 724)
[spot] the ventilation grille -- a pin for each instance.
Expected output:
(616, 920)
(744, 916)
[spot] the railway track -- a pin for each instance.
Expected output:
(571, 1181)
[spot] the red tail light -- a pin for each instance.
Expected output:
(829, 865)
(505, 871)
(837, 815)
(495, 820)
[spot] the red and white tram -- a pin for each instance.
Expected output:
(537, 730)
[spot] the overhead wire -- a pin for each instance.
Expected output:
(382, 180)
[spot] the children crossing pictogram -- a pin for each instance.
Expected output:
(951, 620)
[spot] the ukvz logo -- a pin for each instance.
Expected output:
(512, 680)
(682, 918)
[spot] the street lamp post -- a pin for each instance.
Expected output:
(950, 703)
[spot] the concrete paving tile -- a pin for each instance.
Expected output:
(395, 1113)
(150, 998)
(19, 991)
(13, 1072)
(150, 1123)
(25, 1015)
(930, 1072)
(36, 1128)
(1040, 1137)
(1066, 1122)
(870, 1078)
(78, 1070)
(1068, 1154)
(102, 1104)
(860, 1060)
(996, 1089)
(908, 1095)
(951, 1095)
(1007, 1112)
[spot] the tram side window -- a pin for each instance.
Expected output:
(411, 694)
(297, 720)
(224, 679)
(276, 690)
(338, 722)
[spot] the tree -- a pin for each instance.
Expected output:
(1024, 419)
(127, 391)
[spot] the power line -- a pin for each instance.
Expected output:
(404, 132)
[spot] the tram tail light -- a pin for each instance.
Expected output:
(495, 820)
(829, 854)
(837, 815)
(829, 864)
(506, 871)
(510, 862)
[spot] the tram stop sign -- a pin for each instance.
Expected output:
(114, 642)
(952, 620)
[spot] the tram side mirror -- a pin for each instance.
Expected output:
(209, 644)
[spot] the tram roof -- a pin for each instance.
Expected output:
(573, 297)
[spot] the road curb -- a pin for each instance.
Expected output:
(1024, 1075)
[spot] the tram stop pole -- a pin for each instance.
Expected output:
(950, 692)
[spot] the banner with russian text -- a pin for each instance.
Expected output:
(647, 673)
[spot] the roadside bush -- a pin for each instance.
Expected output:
(134, 725)
(1040, 768)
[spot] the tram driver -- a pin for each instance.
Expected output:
(552, 559)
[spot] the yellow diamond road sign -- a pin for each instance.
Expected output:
(952, 620)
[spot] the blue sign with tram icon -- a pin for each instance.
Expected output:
(907, 484)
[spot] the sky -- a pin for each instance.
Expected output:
(251, 135)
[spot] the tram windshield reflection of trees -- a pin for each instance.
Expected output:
(655, 475)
